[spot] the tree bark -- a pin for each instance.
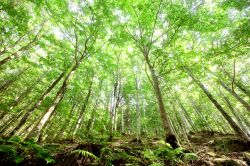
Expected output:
(7, 83)
(170, 136)
(234, 113)
(13, 120)
(24, 94)
(91, 120)
(35, 106)
(197, 109)
(59, 96)
(59, 134)
(235, 127)
(85, 103)
(244, 103)
(181, 122)
(220, 125)
(191, 123)
(10, 121)
(138, 114)
(238, 84)
(26, 47)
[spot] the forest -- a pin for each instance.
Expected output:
(125, 82)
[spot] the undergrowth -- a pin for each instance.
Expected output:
(15, 150)
(164, 154)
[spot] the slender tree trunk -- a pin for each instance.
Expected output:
(36, 105)
(138, 114)
(191, 123)
(117, 103)
(37, 131)
(44, 130)
(245, 120)
(235, 127)
(59, 134)
(73, 124)
(24, 94)
(91, 120)
(197, 109)
(59, 96)
(10, 121)
(7, 83)
(24, 48)
(181, 122)
(242, 88)
(112, 114)
(122, 120)
(113, 103)
(244, 103)
(239, 84)
(184, 121)
(13, 120)
(170, 136)
(174, 129)
(29, 127)
(234, 113)
(80, 118)
(127, 121)
(217, 120)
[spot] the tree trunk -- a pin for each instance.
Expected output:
(220, 125)
(234, 113)
(80, 118)
(7, 83)
(24, 94)
(181, 122)
(138, 114)
(59, 96)
(91, 120)
(59, 134)
(113, 106)
(170, 136)
(24, 48)
(244, 103)
(197, 109)
(35, 106)
(122, 121)
(235, 127)
(10, 121)
(8, 124)
(239, 84)
(127, 120)
(191, 123)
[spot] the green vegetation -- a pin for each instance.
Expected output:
(118, 82)
(17, 150)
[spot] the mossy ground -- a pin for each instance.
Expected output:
(204, 149)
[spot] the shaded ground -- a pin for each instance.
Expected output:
(219, 149)
(205, 149)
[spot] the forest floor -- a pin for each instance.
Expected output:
(205, 148)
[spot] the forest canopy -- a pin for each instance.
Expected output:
(94, 68)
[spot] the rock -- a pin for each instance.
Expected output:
(212, 154)
(229, 162)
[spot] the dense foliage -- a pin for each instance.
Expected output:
(86, 69)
